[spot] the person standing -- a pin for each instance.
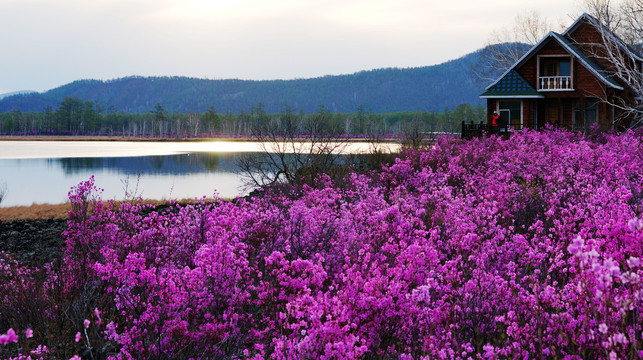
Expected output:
(495, 120)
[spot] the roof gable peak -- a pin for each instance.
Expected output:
(578, 22)
(586, 18)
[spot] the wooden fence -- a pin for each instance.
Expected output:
(472, 130)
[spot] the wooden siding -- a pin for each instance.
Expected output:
(529, 70)
(491, 107)
(527, 114)
(590, 42)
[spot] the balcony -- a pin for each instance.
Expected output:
(554, 83)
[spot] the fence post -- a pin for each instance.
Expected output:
(462, 136)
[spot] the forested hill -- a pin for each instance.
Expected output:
(431, 88)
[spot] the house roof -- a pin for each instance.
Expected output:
(593, 21)
(594, 68)
(511, 85)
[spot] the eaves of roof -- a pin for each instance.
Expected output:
(512, 85)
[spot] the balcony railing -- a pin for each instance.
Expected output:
(551, 83)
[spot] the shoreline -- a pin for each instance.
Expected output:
(99, 138)
(115, 138)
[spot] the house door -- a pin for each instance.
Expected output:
(553, 110)
(505, 117)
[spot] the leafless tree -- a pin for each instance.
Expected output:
(194, 121)
(3, 191)
(295, 148)
(633, 23)
(508, 44)
(412, 134)
(621, 29)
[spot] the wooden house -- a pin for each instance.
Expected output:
(564, 81)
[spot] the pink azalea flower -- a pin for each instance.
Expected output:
(12, 336)
(97, 313)
(40, 350)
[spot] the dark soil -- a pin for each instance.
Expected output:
(34, 242)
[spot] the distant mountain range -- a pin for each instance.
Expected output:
(431, 88)
(22, 92)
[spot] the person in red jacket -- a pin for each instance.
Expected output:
(495, 119)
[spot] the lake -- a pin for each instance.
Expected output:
(44, 171)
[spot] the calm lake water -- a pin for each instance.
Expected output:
(44, 171)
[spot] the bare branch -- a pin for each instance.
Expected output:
(3, 191)
(508, 44)
(620, 55)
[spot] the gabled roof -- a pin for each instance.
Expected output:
(594, 22)
(594, 68)
(511, 85)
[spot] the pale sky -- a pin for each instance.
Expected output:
(49, 43)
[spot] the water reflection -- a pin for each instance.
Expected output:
(160, 177)
(44, 171)
(174, 176)
(192, 163)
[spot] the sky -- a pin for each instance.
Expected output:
(45, 44)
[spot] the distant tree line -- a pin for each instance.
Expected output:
(74, 116)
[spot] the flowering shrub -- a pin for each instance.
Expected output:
(490, 248)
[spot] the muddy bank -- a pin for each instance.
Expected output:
(33, 242)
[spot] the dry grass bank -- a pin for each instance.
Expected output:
(34, 212)
(59, 211)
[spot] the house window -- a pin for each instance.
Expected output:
(564, 68)
(555, 67)
(578, 122)
(510, 114)
(590, 114)
(549, 69)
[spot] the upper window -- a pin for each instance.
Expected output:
(565, 68)
(555, 73)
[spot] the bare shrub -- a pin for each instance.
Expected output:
(295, 148)
(3, 191)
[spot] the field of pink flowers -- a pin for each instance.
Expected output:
(486, 249)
